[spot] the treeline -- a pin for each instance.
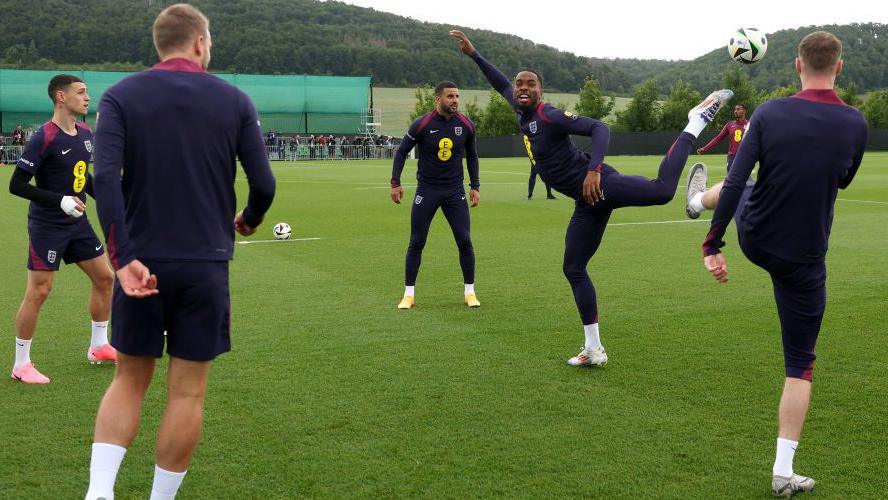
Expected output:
(290, 37)
(649, 111)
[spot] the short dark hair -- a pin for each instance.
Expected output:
(60, 82)
(444, 85)
(535, 72)
(820, 51)
(742, 106)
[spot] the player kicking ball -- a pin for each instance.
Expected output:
(57, 156)
(597, 187)
(443, 137)
(808, 146)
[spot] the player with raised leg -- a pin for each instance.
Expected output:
(443, 137)
(597, 187)
(57, 156)
(808, 146)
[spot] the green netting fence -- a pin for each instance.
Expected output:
(304, 104)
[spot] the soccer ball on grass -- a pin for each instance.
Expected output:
(282, 231)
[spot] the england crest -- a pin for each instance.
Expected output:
(533, 127)
(457, 130)
(418, 199)
(89, 146)
(51, 256)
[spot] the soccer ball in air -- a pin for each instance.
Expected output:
(748, 46)
(282, 231)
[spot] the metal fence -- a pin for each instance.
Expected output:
(299, 152)
(285, 152)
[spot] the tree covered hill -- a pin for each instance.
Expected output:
(292, 36)
(308, 36)
(865, 54)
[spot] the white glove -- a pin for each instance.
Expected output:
(71, 206)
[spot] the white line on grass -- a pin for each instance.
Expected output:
(864, 201)
(658, 222)
(250, 242)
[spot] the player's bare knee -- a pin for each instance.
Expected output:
(38, 292)
(103, 282)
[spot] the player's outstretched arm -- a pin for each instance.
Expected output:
(715, 140)
(497, 79)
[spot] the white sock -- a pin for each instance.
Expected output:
(99, 334)
(166, 484)
(785, 453)
(103, 468)
(696, 125)
(593, 342)
(696, 203)
(22, 352)
(470, 288)
(408, 290)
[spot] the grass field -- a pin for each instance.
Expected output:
(332, 392)
(396, 104)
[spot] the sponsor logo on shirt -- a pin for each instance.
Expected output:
(457, 130)
(533, 127)
(570, 115)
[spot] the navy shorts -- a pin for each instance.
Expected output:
(800, 294)
(193, 307)
(50, 245)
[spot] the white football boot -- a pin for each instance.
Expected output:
(589, 357)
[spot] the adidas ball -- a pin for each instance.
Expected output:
(282, 231)
(748, 46)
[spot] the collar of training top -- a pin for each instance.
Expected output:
(179, 64)
(827, 96)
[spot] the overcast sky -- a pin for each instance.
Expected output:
(632, 28)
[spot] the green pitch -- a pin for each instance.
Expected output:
(333, 392)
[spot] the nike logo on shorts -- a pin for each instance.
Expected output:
(66, 151)
(98, 248)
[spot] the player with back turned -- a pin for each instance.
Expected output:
(597, 187)
(166, 200)
(442, 138)
(807, 146)
(57, 156)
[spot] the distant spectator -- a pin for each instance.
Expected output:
(312, 142)
(331, 147)
(18, 136)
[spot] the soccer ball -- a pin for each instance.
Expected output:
(282, 231)
(748, 46)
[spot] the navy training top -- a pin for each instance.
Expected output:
(808, 146)
(441, 142)
(547, 132)
(176, 132)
